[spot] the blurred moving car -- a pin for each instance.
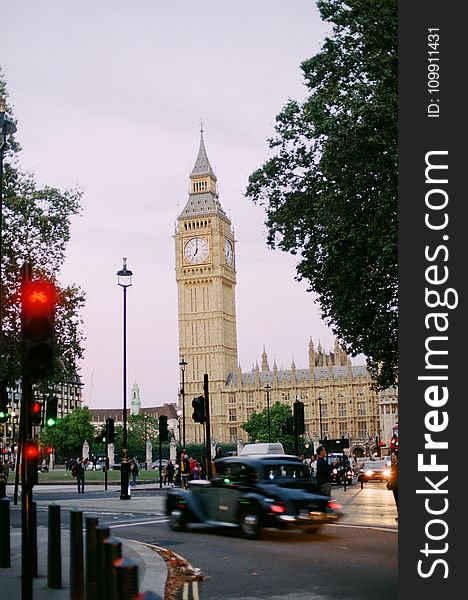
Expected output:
(252, 492)
(374, 470)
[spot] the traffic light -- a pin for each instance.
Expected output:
(51, 411)
(299, 417)
(198, 409)
(31, 455)
(36, 413)
(110, 430)
(3, 402)
(37, 328)
(163, 431)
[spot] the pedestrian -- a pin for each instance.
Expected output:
(134, 470)
(324, 471)
(184, 470)
(80, 475)
(170, 470)
(195, 471)
(313, 464)
(392, 483)
(3, 480)
(5, 470)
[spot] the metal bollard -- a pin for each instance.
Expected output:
(5, 533)
(33, 520)
(76, 555)
(91, 573)
(112, 552)
(102, 532)
(54, 550)
(127, 578)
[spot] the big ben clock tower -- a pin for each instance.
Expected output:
(206, 280)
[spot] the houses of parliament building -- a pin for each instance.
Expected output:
(338, 397)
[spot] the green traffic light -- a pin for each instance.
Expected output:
(51, 422)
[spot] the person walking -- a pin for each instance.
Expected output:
(184, 469)
(324, 471)
(392, 483)
(3, 478)
(134, 470)
(170, 470)
(80, 475)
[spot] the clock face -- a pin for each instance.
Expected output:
(196, 250)
(228, 253)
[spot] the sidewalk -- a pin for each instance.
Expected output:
(152, 570)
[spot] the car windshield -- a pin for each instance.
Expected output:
(374, 465)
(279, 471)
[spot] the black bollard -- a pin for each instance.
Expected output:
(112, 552)
(54, 550)
(5, 533)
(76, 555)
(33, 518)
(91, 573)
(127, 578)
(102, 532)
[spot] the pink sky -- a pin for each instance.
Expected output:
(109, 97)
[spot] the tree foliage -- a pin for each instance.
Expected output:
(330, 188)
(69, 434)
(257, 426)
(36, 229)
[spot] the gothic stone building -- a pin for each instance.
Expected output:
(338, 398)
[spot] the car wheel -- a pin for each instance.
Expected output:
(250, 525)
(177, 520)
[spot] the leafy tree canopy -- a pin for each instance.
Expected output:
(330, 188)
(69, 434)
(257, 426)
(36, 229)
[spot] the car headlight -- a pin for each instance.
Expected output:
(387, 472)
(369, 472)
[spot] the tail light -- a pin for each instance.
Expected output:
(334, 505)
(278, 508)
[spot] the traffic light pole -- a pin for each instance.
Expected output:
(25, 431)
(207, 426)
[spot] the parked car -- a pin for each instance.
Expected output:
(251, 492)
(155, 463)
(374, 470)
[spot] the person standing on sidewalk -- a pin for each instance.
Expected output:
(134, 470)
(324, 471)
(80, 475)
(392, 483)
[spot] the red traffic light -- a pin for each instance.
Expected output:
(37, 297)
(31, 450)
(36, 407)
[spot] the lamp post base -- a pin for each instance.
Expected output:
(125, 481)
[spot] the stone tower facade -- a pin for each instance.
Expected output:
(206, 280)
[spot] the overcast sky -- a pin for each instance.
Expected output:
(108, 97)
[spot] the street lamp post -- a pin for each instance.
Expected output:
(146, 440)
(267, 389)
(124, 280)
(320, 417)
(182, 365)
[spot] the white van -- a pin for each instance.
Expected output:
(262, 448)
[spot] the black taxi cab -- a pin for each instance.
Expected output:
(252, 492)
